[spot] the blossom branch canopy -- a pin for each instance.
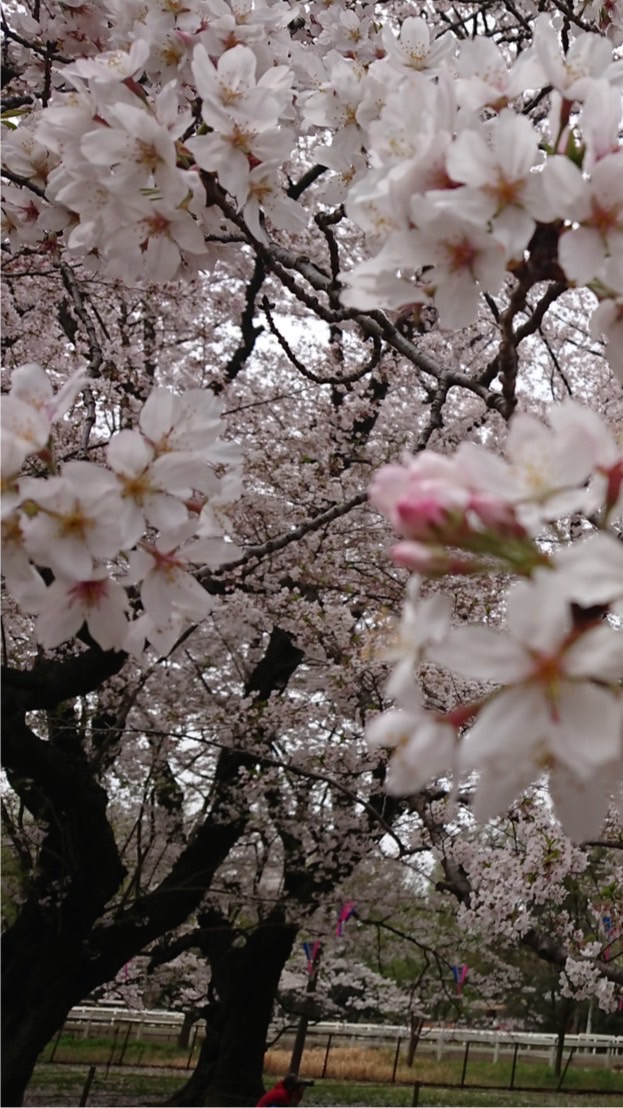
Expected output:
(469, 168)
(147, 111)
(80, 538)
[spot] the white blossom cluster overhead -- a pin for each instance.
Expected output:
(83, 541)
(433, 144)
(555, 651)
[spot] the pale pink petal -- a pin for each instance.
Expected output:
(389, 729)
(483, 653)
(107, 621)
(581, 254)
(158, 415)
(588, 730)
(31, 384)
(128, 453)
(581, 805)
(164, 511)
(537, 613)
(509, 729)
(498, 788)
(592, 570)
(58, 619)
(598, 653)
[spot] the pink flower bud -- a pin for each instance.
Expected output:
(496, 514)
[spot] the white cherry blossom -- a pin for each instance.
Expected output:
(497, 168)
(414, 49)
(154, 488)
(465, 260)
(583, 249)
(31, 384)
(555, 683)
(162, 568)
(485, 79)
(589, 57)
(423, 744)
(544, 477)
(70, 520)
(98, 601)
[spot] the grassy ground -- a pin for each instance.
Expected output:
(346, 1064)
(61, 1086)
(377, 1064)
(62, 1082)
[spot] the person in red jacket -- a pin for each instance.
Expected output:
(285, 1092)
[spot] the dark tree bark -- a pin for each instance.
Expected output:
(58, 949)
(246, 967)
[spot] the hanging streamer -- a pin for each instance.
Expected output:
(312, 951)
(344, 916)
(611, 933)
(460, 976)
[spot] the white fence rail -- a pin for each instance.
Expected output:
(87, 1022)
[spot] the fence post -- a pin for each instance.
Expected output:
(465, 1064)
(515, 1052)
(415, 1100)
(125, 1043)
(562, 1076)
(396, 1056)
(192, 1046)
(326, 1055)
(56, 1042)
(112, 1052)
(87, 1087)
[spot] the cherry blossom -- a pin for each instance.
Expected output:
(153, 488)
(70, 520)
(162, 569)
(584, 249)
(485, 79)
(589, 57)
(414, 49)
(546, 472)
(497, 169)
(98, 601)
(423, 744)
(161, 475)
(555, 683)
(556, 669)
(31, 384)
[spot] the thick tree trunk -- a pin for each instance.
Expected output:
(245, 974)
(39, 996)
(57, 951)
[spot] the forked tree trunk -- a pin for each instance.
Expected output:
(245, 974)
(56, 952)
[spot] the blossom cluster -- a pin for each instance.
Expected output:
(431, 143)
(524, 880)
(459, 191)
(113, 152)
(113, 545)
(549, 672)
